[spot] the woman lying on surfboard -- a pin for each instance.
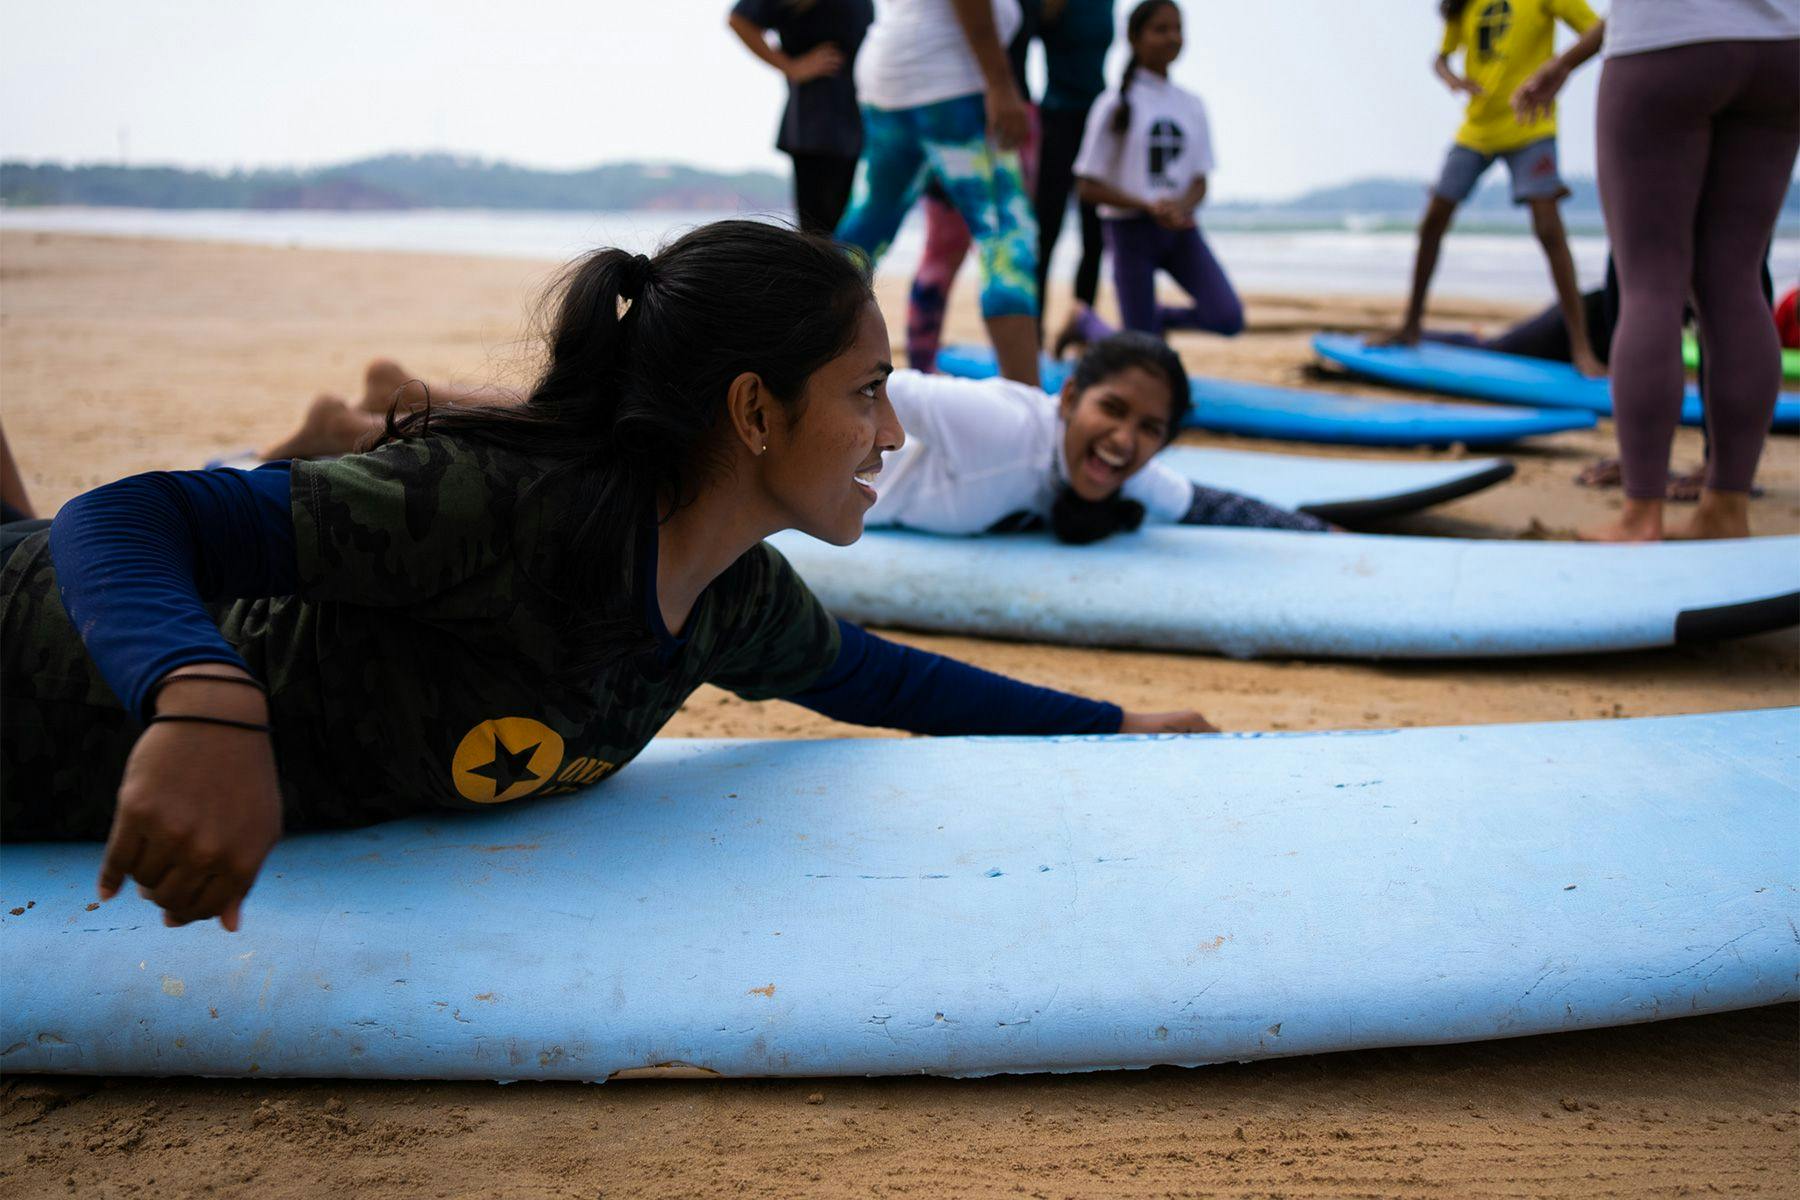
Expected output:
(980, 455)
(989, 454)
(498, 603)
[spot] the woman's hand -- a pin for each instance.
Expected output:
(199, 806)
(1008, 119)
(1171, 215)
(822, 60)
(1166, 722)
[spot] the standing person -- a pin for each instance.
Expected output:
(991, 455)
(1698, 123)
(500, 603)
(1504, 43)
(1076, 35)
(939, 99)
(947, 235)
(1144, 160)
(821, 129)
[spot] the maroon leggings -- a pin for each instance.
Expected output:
(1696, 145)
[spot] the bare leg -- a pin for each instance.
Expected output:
(12, 487)
(1436, 223)
(1717, 515)
(330, 427)
(1546, 222)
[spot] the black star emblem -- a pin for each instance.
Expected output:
(508, 768)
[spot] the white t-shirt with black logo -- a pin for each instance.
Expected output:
(1165, 148)
(916, 53)
(979, 451)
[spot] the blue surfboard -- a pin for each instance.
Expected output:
(960, 906)
(1504, 378)
(1251, 592)
(1291, 414)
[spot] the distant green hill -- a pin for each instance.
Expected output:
(397, 181)
(401, 181)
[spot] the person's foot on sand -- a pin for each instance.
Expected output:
(382, 383)
(1601, 473)
(1718, 515)
(330, 427)
(1638, 521)
(1685, 489)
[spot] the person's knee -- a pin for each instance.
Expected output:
(1439, 212)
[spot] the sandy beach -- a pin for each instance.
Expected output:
(123, 355)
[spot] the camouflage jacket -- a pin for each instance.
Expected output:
(422, 662)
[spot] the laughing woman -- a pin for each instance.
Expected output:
(498, 603)
(989, 454)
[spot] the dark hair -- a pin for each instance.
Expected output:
(1078, 521)
(640, 353)
(1134, 25)
(1450, 10)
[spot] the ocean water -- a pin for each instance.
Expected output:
(1349, 260)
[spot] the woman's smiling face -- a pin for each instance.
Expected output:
(822, 465)
(1111, 428)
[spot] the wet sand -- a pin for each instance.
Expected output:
(122, 355)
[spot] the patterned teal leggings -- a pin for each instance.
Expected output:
(948, 140)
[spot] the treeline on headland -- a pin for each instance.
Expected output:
(406, 181)
(396, 181)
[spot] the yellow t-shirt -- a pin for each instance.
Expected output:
(1503, 42)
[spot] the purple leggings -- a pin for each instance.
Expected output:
(1139, 247)
(1696, 144)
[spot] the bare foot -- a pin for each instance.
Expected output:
(383, 383)
(1406, 335)
(1071, 335)
(1718, 515)
(330, 427)
(1589, 366)
(1601, 473)
(1638, 521)
(1685, 489)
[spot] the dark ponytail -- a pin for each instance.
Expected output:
(1134, 25)
(623, 421)
(1078, 521)
(1452, 10)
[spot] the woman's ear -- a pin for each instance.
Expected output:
(749, 404)
(1069, 397)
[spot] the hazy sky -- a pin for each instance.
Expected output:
(1302, 92)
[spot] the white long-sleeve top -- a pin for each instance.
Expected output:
(980, 450)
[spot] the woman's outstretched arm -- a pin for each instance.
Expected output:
(878, 682)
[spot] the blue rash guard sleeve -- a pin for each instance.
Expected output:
(878, 682)
(136, 561)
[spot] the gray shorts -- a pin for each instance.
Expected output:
(1532, 167)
